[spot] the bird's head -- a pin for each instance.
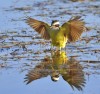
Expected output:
(55, 24)
(55, 77)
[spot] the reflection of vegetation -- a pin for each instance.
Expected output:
(70, 70)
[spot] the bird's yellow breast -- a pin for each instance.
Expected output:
(58, 39)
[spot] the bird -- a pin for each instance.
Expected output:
(59, 34)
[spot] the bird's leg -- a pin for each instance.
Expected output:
(59, 48)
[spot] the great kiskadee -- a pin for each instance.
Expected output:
(59, 35)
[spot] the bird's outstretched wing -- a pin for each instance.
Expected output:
(35, 74)
(40, 71)
(73, 28)
(75, 74)
(31, 76)
(40, 27)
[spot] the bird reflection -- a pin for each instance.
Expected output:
(59, 65)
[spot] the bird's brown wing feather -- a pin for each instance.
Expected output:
(37, 73)
(39, 27)
(74, 28)
(32, 75)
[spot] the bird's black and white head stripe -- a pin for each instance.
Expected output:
(55, 22)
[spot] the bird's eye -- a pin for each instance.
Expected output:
(57, 25)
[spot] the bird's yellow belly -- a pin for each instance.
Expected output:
(59, 40)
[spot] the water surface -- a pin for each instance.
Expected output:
(26, 58)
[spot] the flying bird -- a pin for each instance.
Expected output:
(59, 35)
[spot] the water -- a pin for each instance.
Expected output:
(24, 54)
